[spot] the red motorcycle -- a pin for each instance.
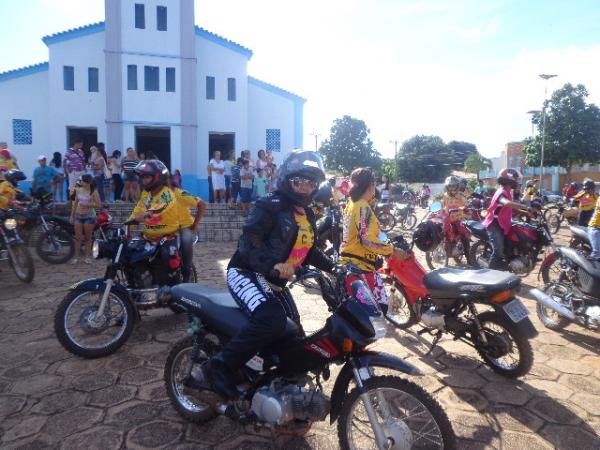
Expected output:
(444, 301)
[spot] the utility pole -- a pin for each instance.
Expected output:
(545, 77)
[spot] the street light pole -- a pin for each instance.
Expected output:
(316, 135)
(545, 77)
(395, 141)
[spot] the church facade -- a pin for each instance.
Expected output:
(149, 78)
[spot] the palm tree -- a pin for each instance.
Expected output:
(476, 163)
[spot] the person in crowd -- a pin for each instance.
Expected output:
(362, 242)
(261, 162)
(188, 226)
(277, 238)
(269, 157)
(260, 183)
(480, 189)
(235, 183)
(176, 178)
(228, 164)
(218, 177)
(74, 163)
(59, 180)
(385, 189)
(98, 165)
(499, 214)
(453, 203)
(594, 232)
(246, 156)
(7, 160)
(9, 188)
(531, 192)
(158, 212)
(116, 169)
(463, 187)
(42, 178)
(425, 192)
(107, 180)
(246, 182)
(85, 199)
(587, 200)
(570, 191)
(131, 180)
(211, 194)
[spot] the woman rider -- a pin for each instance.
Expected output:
(363, 243)
(278, 237)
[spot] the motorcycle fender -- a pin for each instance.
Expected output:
(549, 259)
(98, 285)
(524, 327)
(365, 359)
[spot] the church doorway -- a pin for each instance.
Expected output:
(89, 135)
(154, 140)
(224, 142)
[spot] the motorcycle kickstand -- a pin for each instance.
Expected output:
(436, 339)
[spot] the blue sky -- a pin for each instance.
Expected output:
(463, 69)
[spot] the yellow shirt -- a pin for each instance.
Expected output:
(595, 220)
(304, 240)
(185, 201)
(165, 215)
(586, 199)
(362, 237)
(8, 193)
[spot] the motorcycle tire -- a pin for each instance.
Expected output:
(65, 336)
(543, 314)
(409, 223)
(387, 221)
(554, 222)
(58, 237)
(430, 261)
(397, 301)
(522, 344)
(21, 262)
(189, 407)
(481, 249)
(424, 405)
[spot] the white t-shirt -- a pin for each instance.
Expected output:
(260, 164)
(228, 165)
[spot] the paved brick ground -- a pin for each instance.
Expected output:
(50, 399)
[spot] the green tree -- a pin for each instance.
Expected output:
(476, 163)
(388, 167)
(349, 147)
(424, 158)
(572, 131)
(462, 150)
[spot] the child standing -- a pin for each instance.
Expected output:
(246, 178)
(260, 183)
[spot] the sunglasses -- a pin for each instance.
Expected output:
(301, 181)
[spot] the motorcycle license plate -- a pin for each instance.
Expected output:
(515, 310)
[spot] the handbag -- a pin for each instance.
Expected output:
(107, 173)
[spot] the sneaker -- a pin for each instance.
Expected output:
(87, 261)
(74, 261)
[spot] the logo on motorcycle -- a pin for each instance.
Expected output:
(331, 351)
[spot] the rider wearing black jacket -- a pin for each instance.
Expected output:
(278, 237)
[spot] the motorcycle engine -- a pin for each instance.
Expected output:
(593, 315)
(278, 405)
(518, 265)
(434, 319)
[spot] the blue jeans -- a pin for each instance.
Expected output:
(496, 237)
(595, 241)
(99, 179)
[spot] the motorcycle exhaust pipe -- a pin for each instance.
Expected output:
(549, 302)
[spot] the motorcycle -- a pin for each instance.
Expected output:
(575, 296)
(97, 316)
(563, 213)
(444, 301)
(282, 389)
(439, 256)
(385, 217)
(522, 245)
(13, 249)
(423, 201)
(405, 216)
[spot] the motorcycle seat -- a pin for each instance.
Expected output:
(218, 308)
(580, 233)
(476, 228)
(447, 282)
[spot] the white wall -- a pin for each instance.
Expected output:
(79, 107)
(220, 115)
(26, 98)
(150, 40)
(269, 110)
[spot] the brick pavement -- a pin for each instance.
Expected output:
(51, 399)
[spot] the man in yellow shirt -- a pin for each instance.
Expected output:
(8, 188)
(587, 199)
(594, 232)
(157, 210)
(188, 225)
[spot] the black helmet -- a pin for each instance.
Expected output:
(428, 235)
(13, 176)
(323, 194)
(589, 184)
(154, 167)
(300, 163)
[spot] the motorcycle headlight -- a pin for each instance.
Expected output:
(378, 323)
(102, 249)
(10, 224)
(96, 250)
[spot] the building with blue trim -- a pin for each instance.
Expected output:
(148, 78)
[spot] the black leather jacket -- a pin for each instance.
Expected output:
(269, 235)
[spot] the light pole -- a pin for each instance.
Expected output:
(316, 135)
(545, 77)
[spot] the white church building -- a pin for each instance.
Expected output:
(149, 78)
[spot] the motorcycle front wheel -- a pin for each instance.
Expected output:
(400, 313)
(409, 223)
(551, 319)
(387, 221)
(82, 333)
(436, 258)
(55, 247)
(409, 416)
(21, 262)
(554, 221)
(506, 350)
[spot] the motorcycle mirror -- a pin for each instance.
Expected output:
(435, 207)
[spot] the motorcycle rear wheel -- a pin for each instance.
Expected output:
(387, 221)
(57, 247)
(123, 317)
(21, 262)
(416, 419)
(480, 254)
(177, 369)
(409, 223)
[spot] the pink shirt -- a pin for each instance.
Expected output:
(504, 215)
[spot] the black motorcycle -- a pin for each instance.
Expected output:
(575, 296)
(13, 249)
(282, 389)
(97, 316)
(329, 231)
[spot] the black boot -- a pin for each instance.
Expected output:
(384, 308)
(221, 379)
